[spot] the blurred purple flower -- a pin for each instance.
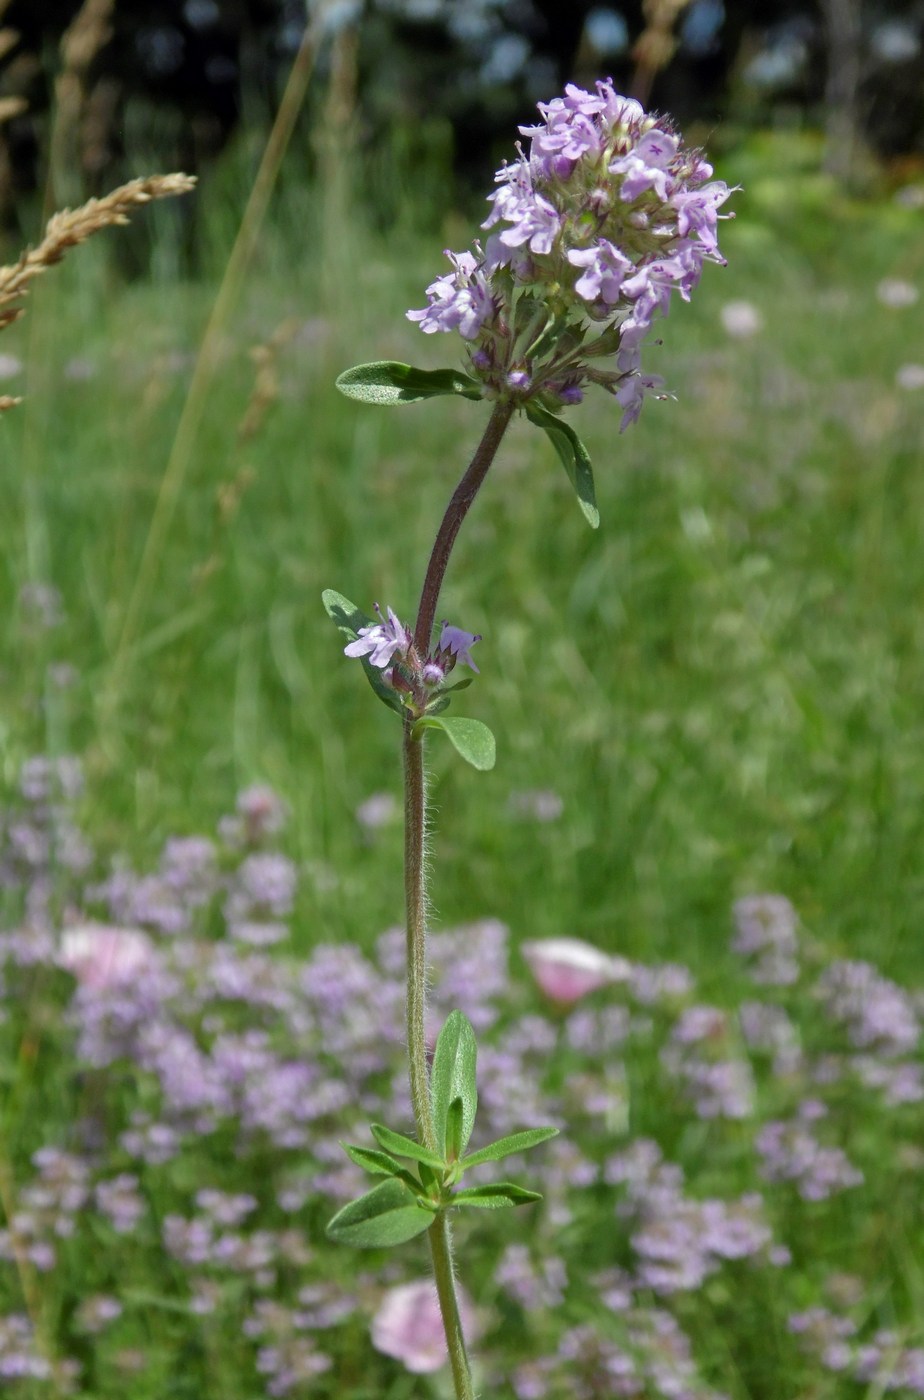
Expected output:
(765, 931)
(790, 1152)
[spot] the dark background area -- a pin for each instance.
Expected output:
(178, 79)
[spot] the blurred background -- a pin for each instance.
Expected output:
(709, 712)
(720, 690)
(177, 81)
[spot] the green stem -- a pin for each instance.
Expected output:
(415, 886)
(441, 1251)
(415, 827)
(415, 895)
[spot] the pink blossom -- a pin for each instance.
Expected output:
(102, 956)
(566, 969)
(408, 1326)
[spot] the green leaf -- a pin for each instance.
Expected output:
(454, 1131)
(453, 1077)
(400, 1146)
(469, 737)
(376, 1163)
(348, 619)
(574, 457)
(496, 1195)
(388, 382)
(387, 1215)
(506, 1146)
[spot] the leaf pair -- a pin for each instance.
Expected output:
(404, 1205)
(389, 383)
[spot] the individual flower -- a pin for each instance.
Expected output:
(592, 231)
(566, 969)
(455, 645)
(381, 641)
(408, 1326)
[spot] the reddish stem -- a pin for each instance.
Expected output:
(456, 511)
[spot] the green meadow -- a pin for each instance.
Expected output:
(723, 684)
(718, 694)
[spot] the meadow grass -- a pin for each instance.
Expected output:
(722, 686)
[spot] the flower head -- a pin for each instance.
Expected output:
(592, 231)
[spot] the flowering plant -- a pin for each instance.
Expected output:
(591, 232)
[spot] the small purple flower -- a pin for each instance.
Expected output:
(382, 641)
(605, 270)
(460, 301)
(456, 644)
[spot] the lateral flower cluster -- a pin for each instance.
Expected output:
(593, 231)
(389, 646)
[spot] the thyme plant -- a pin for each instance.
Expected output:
(591, 232)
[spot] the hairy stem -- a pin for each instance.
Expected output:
(415, 887)
(415, 896)
(415, 825)
(456, 511)
(441, 1251)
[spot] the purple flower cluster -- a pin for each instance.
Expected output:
(652, 1356)
(790, 1151)
(883, 1363)
(765, 933)
(594, 230)
(701, 1056)
(678, 1241)
(874, 1011)
(389, 646)
(212, 1079)
(882, 1025)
